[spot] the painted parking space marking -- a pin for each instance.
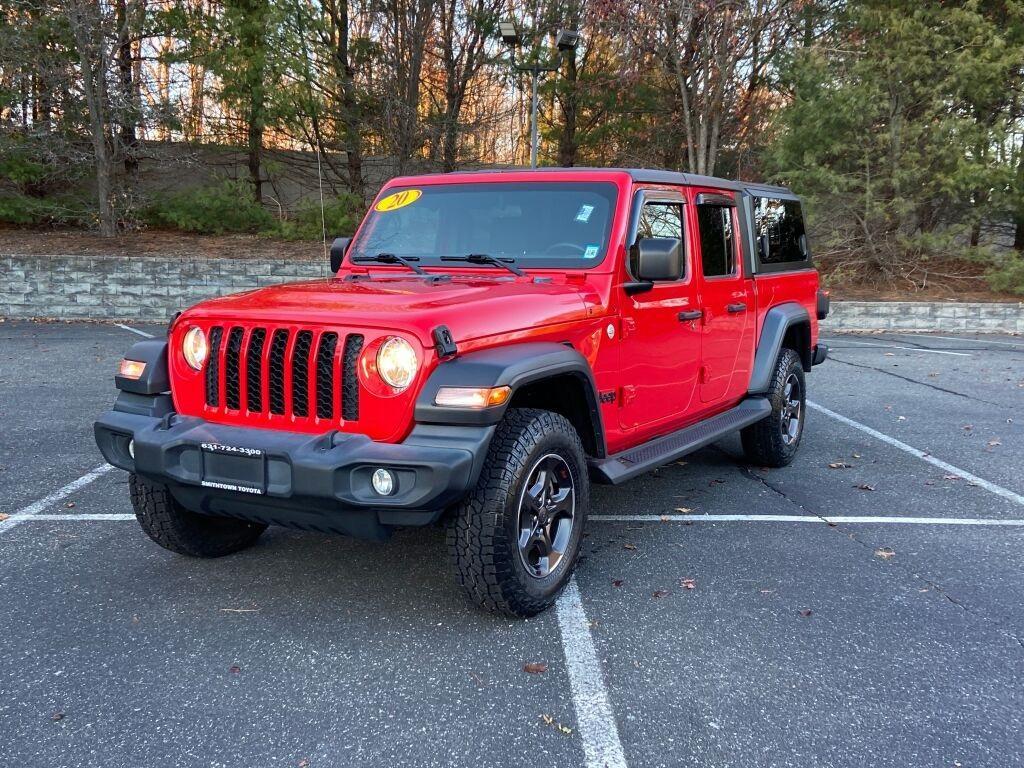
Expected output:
(97, 518)
(841, 520)
(37, 507)
(998, 490)
(594, 715)
(964, 338)
(135, 330)
(880, 345)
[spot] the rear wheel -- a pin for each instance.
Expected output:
(515, 538)
(175, 528)
(773, 441)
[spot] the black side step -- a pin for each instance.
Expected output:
(628, 464)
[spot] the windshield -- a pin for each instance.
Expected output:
(538, 224)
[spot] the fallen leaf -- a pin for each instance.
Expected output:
(666, 519)
(629, 546)
(806, 613)
(890, 354)
(3, 517)
(683, 510)
(994, 442)
(951, 477)
(901, 418)
(618, 582)
(135, 618)
(234, 669)
(864, 487)
(716, 481)
(885, 553)
(57, 717)
(856, 455)
(70, 505)
(968, 426)
(304, 762)
(535, 667)
(549, 720)
(659, 593)
(688, 583)
(839, 465)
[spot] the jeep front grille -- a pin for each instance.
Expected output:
(281, 371)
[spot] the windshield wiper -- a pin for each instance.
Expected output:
(483, 258)
(390, 258)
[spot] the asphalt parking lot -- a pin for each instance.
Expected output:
(863, 606)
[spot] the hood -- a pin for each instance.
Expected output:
(471, 306)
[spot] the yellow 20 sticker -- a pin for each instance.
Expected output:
(398, 200)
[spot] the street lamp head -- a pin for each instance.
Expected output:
(508, 33)
(567, 39)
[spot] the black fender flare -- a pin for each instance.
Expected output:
(155, 379)
(777, 321)
(514, 366)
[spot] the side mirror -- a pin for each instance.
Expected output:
(338, 248)
(658, 258)
(763, 247)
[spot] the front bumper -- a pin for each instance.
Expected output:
(287, 478)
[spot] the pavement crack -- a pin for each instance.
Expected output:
(972, 398)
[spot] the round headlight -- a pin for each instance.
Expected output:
(194, 348)
(397, 363)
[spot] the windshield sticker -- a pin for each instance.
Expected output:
(584, 213)
(591, 252)
(398, 200)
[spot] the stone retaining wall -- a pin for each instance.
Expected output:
(143, 288)
(984, 317)
(152, 289)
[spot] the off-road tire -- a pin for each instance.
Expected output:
(764, 442)
(175, 528)
(483, 530)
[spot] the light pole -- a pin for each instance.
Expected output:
(566, 40)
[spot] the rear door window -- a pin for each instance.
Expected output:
(717, 245)
(779, 232)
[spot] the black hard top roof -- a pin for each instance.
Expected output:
(651, 176)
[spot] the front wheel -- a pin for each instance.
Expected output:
(175, 528)
(515, 538)
(773, 441)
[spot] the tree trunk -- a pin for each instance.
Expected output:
(129, 90)
(350, 118)
(567, 146)
(93, 60)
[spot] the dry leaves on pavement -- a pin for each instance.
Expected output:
(885, 553)
(535, 667)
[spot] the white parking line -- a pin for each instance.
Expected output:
(47, 501)
(964, 338)
(61, 518)
(594, 715)
(998, 490)
(800, 519)
(896, 346)
(135, 330)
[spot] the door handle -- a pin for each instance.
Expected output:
(736, 308)
(690, 314)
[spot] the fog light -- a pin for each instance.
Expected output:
(131, 448)
(383, 482)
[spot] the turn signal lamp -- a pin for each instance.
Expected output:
(132, 369)
(471, 397)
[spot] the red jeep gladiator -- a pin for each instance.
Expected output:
(488, 344)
